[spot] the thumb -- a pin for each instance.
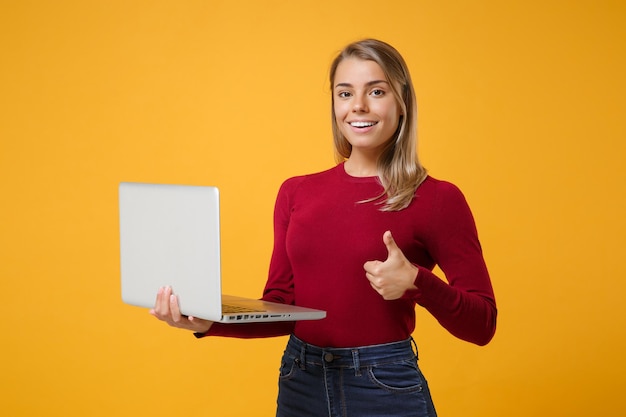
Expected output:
(390, 243)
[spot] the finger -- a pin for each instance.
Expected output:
(174, 309)
(390, 243)
(371, 267)
(367, 266)
(159, 310)
(194, 322)
(373, 281)
(154, 309)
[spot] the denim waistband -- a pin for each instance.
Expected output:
(351, 357)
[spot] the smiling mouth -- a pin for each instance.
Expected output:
(362, 124)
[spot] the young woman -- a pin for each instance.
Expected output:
(360, 241)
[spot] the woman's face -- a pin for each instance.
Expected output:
(366, 110)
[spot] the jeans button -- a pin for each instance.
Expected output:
(328, 357)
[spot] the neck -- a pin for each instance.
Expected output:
(359, 168)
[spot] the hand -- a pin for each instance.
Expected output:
(166, 309)
(393, 277)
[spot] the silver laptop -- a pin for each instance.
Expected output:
(170, 236)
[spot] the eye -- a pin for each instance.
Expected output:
(343, 94)
(378, 92)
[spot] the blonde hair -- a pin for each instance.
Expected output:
(399, 169)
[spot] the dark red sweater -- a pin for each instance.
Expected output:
(322, 238)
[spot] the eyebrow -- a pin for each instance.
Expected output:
(367, 84)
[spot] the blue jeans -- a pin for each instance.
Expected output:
(372, 381)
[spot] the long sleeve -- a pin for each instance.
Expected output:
(465, 306)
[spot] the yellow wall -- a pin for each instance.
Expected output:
(521, 104)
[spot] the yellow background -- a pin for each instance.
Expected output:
(521, 104)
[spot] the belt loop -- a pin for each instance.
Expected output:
(302, 359)
(357, 363)
(414, 348)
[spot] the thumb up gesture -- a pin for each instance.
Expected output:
(394, 276)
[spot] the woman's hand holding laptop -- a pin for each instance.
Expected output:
(166, 309)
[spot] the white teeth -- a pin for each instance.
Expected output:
(362, 124)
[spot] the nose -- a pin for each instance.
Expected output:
(359, 105)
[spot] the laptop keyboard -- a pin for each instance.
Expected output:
(231, 309)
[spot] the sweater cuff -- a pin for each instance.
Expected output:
(416, 293)
(200, 335)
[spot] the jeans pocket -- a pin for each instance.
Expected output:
(287, 367)
(397, 377)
